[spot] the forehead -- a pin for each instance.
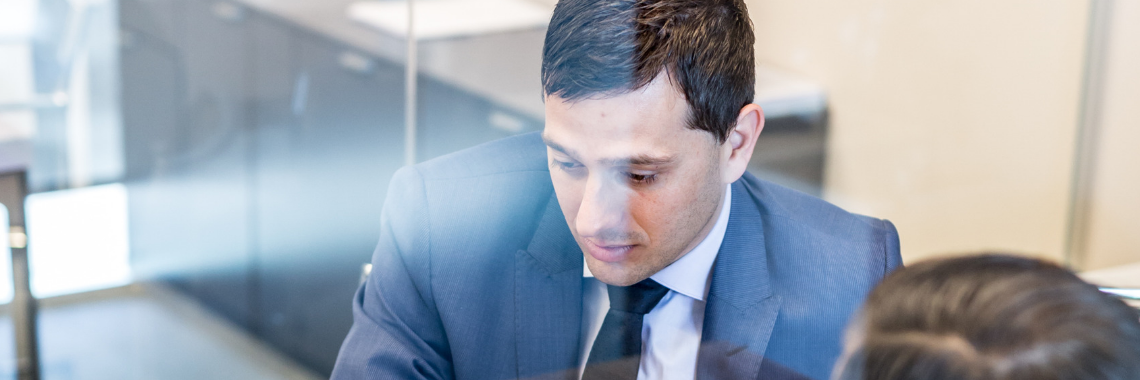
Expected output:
(651, 120)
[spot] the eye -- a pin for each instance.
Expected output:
(566, 166)
(641, 179)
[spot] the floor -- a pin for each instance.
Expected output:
(142, 332)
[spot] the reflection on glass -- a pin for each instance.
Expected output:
(258, 138)
(78, 240)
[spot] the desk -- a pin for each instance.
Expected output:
(1122, 276)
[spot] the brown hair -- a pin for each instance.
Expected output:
(605, 47)
(993, 317)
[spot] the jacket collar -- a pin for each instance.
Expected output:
(742, 308)
(548, 300)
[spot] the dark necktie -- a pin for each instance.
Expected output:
(616, 353)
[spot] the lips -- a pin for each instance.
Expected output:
(606, 252)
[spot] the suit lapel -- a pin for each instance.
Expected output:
(741, 309)
(548, 295)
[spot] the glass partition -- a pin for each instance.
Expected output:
(238, 153)
(207, 170)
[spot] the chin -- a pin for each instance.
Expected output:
(616, 274)
(619, 281)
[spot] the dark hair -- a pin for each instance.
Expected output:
(994, 317)
(616, 46)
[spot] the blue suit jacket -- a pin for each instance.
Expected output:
(477, 276)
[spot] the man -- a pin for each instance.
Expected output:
(626, 241)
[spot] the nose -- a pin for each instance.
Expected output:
(604, 211)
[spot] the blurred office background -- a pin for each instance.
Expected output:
(206, 176)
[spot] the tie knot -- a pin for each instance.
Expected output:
(638, 298)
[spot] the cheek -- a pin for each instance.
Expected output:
(664, 212)
(569, 194)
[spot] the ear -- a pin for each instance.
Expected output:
(737, 149)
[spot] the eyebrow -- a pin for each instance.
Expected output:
(553, 145)
(639, 159)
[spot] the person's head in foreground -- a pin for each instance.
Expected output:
(991, 317)
(649, 116)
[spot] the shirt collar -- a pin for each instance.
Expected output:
(690, 274)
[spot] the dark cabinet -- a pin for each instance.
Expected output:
(258, 157)
(330, 136)
(187, 148)
(214, 160)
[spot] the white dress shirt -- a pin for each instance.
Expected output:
(671, 332)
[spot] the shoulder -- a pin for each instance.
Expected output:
(498, 180)
(787, 206)
(471, 180)
(478, 201)
(813, 242)
(822, 262)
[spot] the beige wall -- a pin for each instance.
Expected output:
(954, 119)
(1114, 218)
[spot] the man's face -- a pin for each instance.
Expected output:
(638, 188)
